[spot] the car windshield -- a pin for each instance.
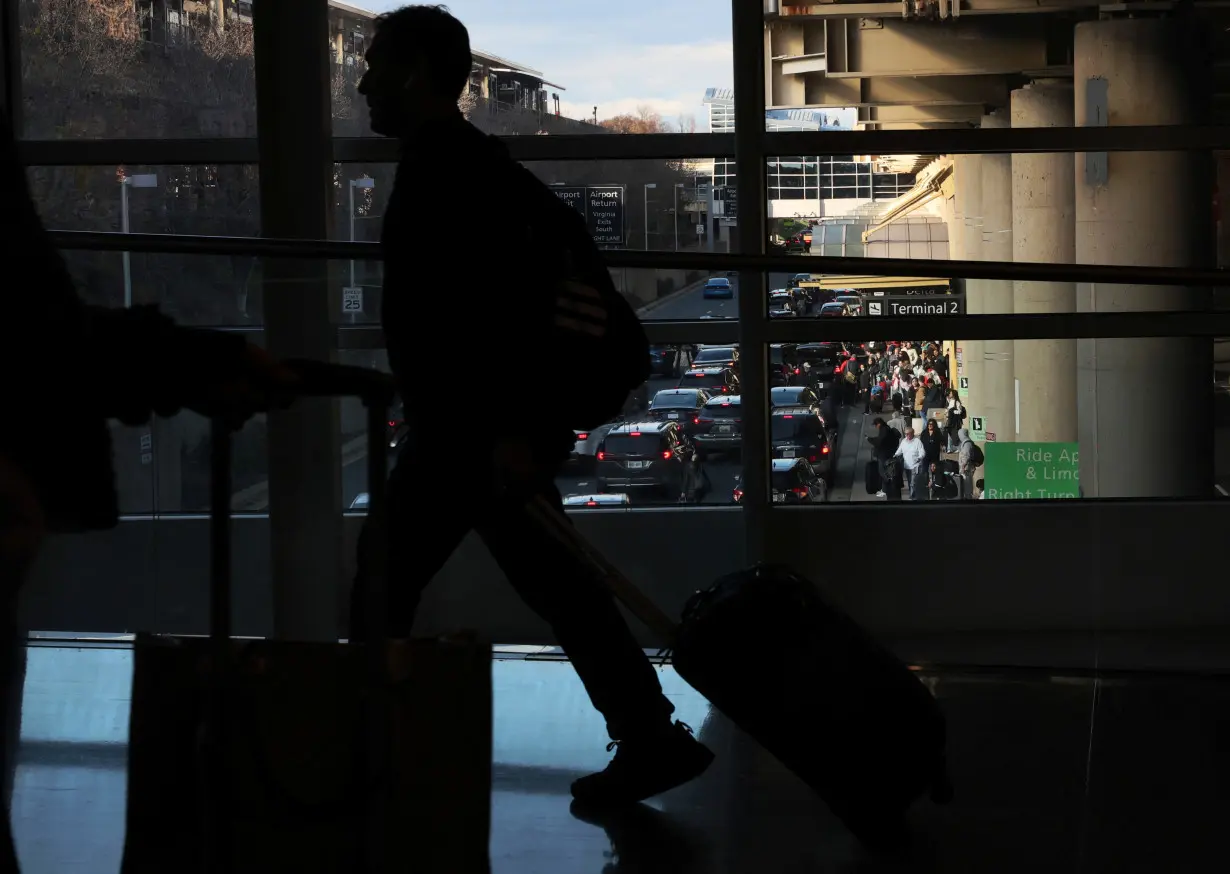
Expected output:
(633, 443)
(717, 353)
(718, 283)
(673, 401)
(789, 427)
(819, 355)
(787, 395)
(706, 380)
(722, 410)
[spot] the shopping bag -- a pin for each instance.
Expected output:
(276, 756)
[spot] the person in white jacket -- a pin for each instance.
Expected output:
(913, 457)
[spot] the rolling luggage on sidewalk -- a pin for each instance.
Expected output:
(871, 477)
(832, 704)
(273, 757)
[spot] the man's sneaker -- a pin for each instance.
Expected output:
(645, 766)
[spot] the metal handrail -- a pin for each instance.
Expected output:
(263, 247)
(668, 146)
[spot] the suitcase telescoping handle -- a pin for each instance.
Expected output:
(625, 591)
(317, 379)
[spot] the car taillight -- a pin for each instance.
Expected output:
(392, 424)
(696, 420)
(582, 436)
(796, 371)
(738, 495)
(591, 503)
(800, 491)
(635, 434)
(788, 417)
(824, 450)
(704, 419)
(726, 405)
(812, 458)
(601, 456)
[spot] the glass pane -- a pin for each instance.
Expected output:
(149, 68)
(633, 204)
(1037, 419)
(215, 291)
(690, 414)
(162, 466)
(212, 199)
(654, 69)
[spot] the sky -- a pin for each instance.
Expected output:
(617, 56)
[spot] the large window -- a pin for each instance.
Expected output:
(141, 117)
(633, 69)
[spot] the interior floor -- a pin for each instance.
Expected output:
(1122, 773)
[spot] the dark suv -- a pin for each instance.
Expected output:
(714, 380)
(795, 481)
(680, 405)
(716, 356)
(818, 363)
(793, 396)
(643, 457)
(798, 432)
(782, 364)
(720, 426)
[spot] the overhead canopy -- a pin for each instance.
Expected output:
(874, 283)
(934, 181)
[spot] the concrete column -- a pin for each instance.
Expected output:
(997, 393)
(967, 246)
(1043, 229)
(1140, 396)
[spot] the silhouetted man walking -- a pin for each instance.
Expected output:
(547, 289)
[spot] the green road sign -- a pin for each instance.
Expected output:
(1032, 470)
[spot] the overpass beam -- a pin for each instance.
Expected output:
(1146, 209)
(1044, 230)
(997, 394)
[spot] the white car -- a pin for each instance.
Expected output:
(360, 502)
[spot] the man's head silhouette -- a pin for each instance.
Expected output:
(417, 66)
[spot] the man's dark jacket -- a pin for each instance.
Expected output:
(472, 243)
(69, 367)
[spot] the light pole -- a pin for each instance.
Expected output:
(648, 185)
(141, 180)
(366, 183)
(678, 185)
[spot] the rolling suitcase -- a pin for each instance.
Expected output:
(871, 477)
(835, 707)
(292, 756)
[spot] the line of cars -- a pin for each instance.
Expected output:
(661, 450)
(799, 300)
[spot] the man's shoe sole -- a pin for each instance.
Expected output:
(702, 765)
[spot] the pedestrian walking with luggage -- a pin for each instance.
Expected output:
(419, 63)
(914, 458)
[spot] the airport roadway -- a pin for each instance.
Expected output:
(723, 470)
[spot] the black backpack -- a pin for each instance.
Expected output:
(976, 457)
(590, 320)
